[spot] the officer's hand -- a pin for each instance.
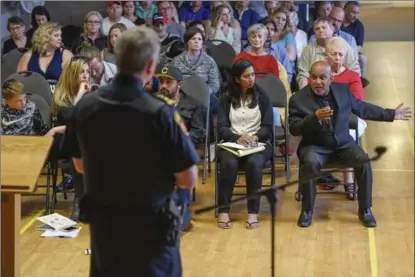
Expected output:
(324, 113)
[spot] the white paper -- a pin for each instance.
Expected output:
(61, 234)
(239, 146)
(57, 221)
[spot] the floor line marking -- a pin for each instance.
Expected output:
(31, 221)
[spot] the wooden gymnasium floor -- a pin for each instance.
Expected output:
(335, 246)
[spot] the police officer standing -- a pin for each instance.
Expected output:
(132, 149)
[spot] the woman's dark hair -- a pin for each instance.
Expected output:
(195, 23)
(267, 20)
(39, 10)
(234, 89)
(14, 20)
(191, 32)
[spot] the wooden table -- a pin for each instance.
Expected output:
(22, 160)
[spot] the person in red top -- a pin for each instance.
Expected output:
(260, 59)
(335, 55)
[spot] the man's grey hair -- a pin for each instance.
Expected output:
(135, 48)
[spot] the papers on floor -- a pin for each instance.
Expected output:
(58, 226)
(240, 150)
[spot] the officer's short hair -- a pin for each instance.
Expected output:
(135, 48)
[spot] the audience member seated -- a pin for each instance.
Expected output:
(167, 8)
(92, 33)
(19, 116)
(283, 34)
(326, 138)
(114, 33)
(340, 3)
(194, 10)
(271, 7)
(114, 11)
(244, 117)
(46, 57)
(40, 15)
(292, 8)
(72, 85)
(336, 18)
(354, 26)
(275, 49)
(262, 62)
(300, 37)
(259, 7)
(222, 28)
(322, 10)
(246, 17)
(335, 53)
(16, 27)
(166, 39)
(192, 113)
(195, 61)
(129, 12)
(145, 10)
(315, 51)
(102, 72)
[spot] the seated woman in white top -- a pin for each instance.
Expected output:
(244, 116)
(224, 29)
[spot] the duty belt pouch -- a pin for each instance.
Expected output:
(169, 220)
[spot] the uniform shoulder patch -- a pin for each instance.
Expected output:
(179, 121)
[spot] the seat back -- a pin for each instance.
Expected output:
(9, 62)
(34, 83)
(275, 90)
(44, 109)
(195, 87)
(222, 52)
(69, 34)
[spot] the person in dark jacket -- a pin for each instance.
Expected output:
(244, 116)
(320, 113)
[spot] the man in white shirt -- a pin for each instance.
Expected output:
(102, 72)
(114, 11)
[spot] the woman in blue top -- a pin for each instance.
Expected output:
(46, 56)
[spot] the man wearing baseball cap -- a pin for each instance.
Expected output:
(192, 118)
(114, 11)
(168, 41)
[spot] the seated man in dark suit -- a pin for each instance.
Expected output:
(192, 116)
(320, 113)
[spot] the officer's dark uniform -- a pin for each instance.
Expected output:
(131, 144)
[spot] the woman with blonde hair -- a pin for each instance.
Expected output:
(283, 33)
(92, 34)
(113, 35)
(72, 85)
(224, 28)
(47, 56)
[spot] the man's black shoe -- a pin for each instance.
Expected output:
(305, 218)
(367, 218)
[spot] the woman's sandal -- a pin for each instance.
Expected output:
(225, 224)
(251, 225)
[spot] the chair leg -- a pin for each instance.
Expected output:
(47, 200)
(54, 181)
(65, 194)
(194, 195)
(209, 165)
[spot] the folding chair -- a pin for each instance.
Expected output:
(46, 113)
(196, 88)
(222, 52)
(266, 171)
(277, 93)
(328, 167)
(9, 62)
(34, 83)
